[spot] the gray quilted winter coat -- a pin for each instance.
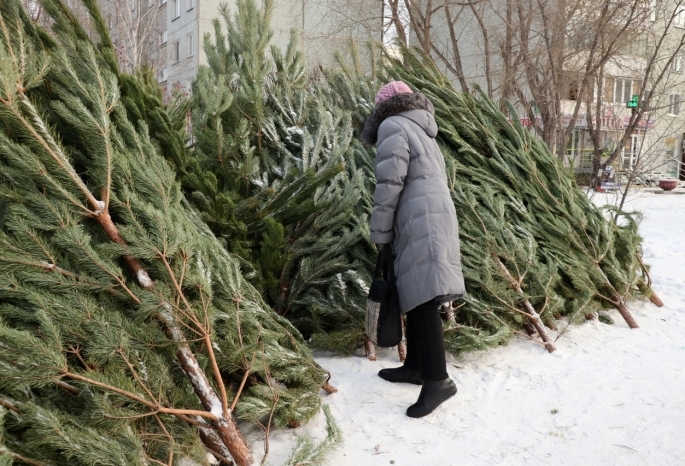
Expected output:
(412, 204)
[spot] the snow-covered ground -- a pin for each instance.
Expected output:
(608, 395)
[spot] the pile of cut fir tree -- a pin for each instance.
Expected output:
(139, 272)
(534, 248)
(278, 175)
(128, 334)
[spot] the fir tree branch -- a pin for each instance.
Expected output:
(242, 384)
(105, 221)
(217, 375)
(104, 131)
(518, 332)
(179, 292)
(114, 276)
(44, 138)
(207, 337)
(51, 267)
(269, 381)
(147, 458)
(453, 327)
(192, 422)
(159, 421)
(135, 375)
(170, 458)
(176, 310)
(76, 351)
(70, 388)
(29, 461)
(154, 406)
(185, 257)
(8, 405)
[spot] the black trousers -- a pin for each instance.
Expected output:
(425, 344)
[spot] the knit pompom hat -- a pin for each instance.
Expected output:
(391, 89)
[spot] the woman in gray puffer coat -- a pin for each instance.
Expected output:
(413, 209)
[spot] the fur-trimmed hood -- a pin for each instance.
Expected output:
(416, 106)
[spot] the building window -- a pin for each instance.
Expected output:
(620, 90)
(163, 37)
(674, 101)
(191, 45)
(177, 9)
(162, 2)
(631, 152)
(637, 47)
(191, 4)
(652, 10)
(679, 17)
(163, 75)
(177, 51)
(677, 64)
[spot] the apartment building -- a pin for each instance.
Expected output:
(168, 34)
(490, 41)
(656, 147)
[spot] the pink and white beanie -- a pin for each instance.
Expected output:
(391, 89)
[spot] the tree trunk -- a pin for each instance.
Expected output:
(537, 323)
(529, 309)
(625, 313)
(402, 350)
(654, 299)
(225, 427)
(370, 348)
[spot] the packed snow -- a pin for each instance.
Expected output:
(609, 395)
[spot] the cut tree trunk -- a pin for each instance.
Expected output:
(402, 346)
(529, 309)
(618, 302)
(224, 426)
(625, 313)
(328, 388)
(369, 348)
(651, 295)
(213, 443)
(539, 326)
(654, 299)
(402, 350)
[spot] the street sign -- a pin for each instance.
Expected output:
(632, 103)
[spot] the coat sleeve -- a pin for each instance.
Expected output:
(392, 163)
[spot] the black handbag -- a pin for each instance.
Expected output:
(383, 316)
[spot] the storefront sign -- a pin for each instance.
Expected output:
(642, 124)
(608, 121)
(526, 122)
(581, 120)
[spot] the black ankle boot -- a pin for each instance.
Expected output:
(432, 395)
(401, 374)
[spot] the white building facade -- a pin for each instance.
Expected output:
(173, 31)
